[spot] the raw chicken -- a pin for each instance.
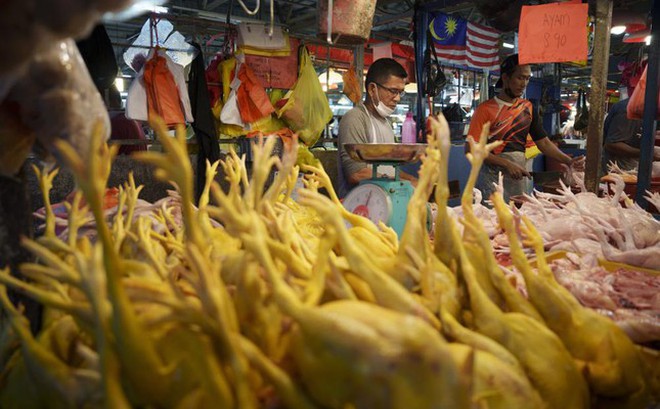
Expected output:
(653, 198)
(630, 297)
(641, 326)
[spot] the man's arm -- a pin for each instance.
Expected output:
(550, 149)
(476, 127)
(366, 173)
(352, 129)
(360, 175)
(622, 149)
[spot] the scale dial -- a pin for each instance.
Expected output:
(370, 201)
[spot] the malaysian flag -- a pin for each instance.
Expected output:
(461, 42)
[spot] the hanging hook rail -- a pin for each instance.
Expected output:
(248, 11)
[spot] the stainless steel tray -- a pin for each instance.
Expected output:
(385, 152)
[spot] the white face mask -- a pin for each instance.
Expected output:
(382, 109)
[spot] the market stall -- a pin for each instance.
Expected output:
(216, 265)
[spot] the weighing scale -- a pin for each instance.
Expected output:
(381, 198)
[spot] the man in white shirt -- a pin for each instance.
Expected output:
(367, 122)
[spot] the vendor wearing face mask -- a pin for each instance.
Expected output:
(511, 119)
(367, 122)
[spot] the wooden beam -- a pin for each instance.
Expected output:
(598, 93)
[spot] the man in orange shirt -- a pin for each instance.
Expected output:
(511, 119)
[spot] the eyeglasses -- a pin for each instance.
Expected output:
(392, 91)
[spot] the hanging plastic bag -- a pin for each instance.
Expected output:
(582, 115)
(351, 85)
(247, 97)
(266, 124)
(636, 102)
(252, 98)
(226, 69)
(275, 70)
(163, 98)
(307, 110)
(253, 36)
(231, 113)
(160, 32)
(253, 39)
(55, 98)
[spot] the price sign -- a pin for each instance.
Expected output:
(554, 32)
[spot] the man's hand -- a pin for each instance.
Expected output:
(550, 149)
(516, 171)
(578, 163)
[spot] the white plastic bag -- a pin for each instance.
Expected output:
(57, 99)
(230, 113)
(255, 35)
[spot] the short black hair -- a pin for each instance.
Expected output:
(381, 69)
(509, 64)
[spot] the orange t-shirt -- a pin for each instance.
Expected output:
(509, 122)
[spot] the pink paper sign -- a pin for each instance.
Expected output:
(555, 32)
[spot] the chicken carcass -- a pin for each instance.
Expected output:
(612, 365)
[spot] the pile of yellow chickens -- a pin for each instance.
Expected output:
(299, 304)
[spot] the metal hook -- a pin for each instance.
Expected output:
(248, 11)
(272, 18)
(329, 35)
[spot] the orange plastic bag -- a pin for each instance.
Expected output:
(267, 124)
(636, 103)
(253, 101)
(163, 98)
(352, 85)
(307, 110)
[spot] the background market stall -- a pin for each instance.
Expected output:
(200, 269)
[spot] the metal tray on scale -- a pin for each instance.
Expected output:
(385, 152)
